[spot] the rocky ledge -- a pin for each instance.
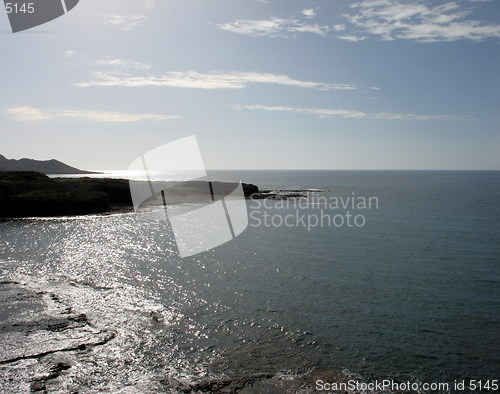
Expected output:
(37, 330)
(32, 194)
(285, 194)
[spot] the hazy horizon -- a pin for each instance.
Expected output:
(272, 169)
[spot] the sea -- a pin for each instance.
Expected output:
(389, 275)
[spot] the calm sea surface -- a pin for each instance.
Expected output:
(412, 294)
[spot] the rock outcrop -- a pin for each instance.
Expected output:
(32, 194)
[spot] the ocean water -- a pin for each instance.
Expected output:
(412, 294)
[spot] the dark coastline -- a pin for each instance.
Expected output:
(33, 194)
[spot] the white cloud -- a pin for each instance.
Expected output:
(322, 113)
(352, 38)
(418, 20)
(347, 113)
(31, 114)
(116, 63)
(280, 27)
(273, 27)
(27, 114)
(72, 54)
(122, 63)
(125, 22)
(406, 116)
(309, 12)
(196, 80)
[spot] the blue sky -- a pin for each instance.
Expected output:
(276, 84)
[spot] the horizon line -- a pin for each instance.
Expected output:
(323, 169)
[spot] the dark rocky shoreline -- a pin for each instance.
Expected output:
(32, 194)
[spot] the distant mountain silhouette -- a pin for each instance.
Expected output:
(43, 166)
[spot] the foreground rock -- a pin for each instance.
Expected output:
(49, 346)
(36, 332)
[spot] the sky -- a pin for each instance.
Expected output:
(263, 84)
